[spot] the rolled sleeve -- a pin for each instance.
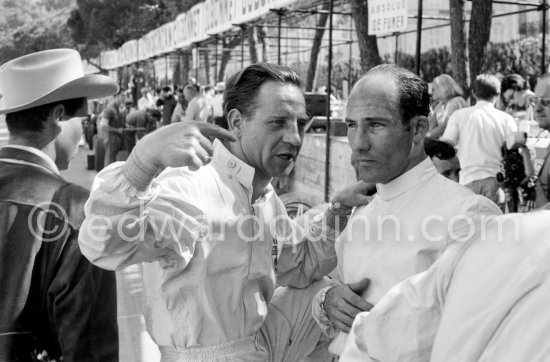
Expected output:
(127, 223)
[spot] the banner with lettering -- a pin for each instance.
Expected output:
(387, 16)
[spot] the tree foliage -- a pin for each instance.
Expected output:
(97, 25)
(432, 62)
(21, 33)
(521, 56)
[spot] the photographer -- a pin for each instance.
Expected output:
(479, 132)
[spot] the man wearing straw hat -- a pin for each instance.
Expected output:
(54, 304)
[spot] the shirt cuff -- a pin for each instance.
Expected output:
(336, 221)
(319, 314)
(138, 174)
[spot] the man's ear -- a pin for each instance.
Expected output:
(419, 126)
(235, 121)
(58, 112)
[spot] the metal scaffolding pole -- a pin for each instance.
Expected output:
(154, 73)
(418, 36)
(543, 60)
(396, 48)
(350, 55)
(242, 45)
(280, 20)
(329, 91)
(166, 70)
(197, 60)
(216, 60)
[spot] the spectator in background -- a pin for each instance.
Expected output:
(217, 102)
(514, 95)
(145, 100)
(443, 155)
(191, 93)
(168, 105)
(144, 122)
(112, 124)
(206, 105)
(181, 106)
(479, 132)
(157, 99)
(449, 97)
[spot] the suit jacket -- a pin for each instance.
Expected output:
(51, 297)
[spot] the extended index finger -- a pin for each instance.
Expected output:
(212, 130)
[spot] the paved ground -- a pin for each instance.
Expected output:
(135, 343)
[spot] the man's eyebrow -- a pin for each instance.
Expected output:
(369, 119)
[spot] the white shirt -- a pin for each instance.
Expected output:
(486, 300)
(214, 248)
(144, 103)
(409, 223)
(479, 133)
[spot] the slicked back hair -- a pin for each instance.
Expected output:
(412, 91)
(243, 87)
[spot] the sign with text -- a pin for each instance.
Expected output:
(387, 16)
(196, 25)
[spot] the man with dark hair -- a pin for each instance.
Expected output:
(416, 212)
(168, 105)
(443, 155)
(181, 106)
(112, 122)
(479, 133)
(54, 303)
(514, 94)
(230, 241)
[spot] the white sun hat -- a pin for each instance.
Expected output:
(48, 76)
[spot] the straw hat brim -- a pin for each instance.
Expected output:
(90, 86)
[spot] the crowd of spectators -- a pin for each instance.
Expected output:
(499, 109)
(122, 121)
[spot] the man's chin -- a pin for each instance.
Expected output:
(369, 177)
